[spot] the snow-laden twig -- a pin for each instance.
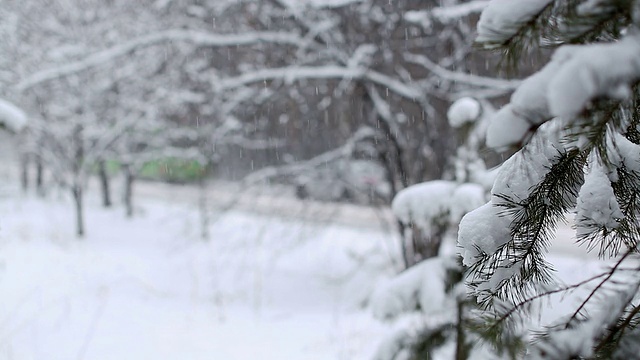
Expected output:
(468, 79)
(455, 12)
(197, 38)
(291, 74)
(298, 167)
(446, 14)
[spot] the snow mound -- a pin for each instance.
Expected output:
(427, 203)
(419, 287)
(12, 117)
(482, 231)
(464, 110)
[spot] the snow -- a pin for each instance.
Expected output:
(319, 4)
(455, 12)
(419, 287)
(624, 152)
(294, 73)
(486, 229)
(462, 111)
(590, 71)
(502, 19)
(525, 169)
(428, 203)
(482, 231)
(262, 287)
(198, 38)
(597, 205)
(563, 88)
(12, 116)
(528, 108)
(465, 197)
(507, 128)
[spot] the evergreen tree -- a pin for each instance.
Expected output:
(576, 125)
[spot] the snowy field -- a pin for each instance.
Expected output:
(263, 286)
(149, 288)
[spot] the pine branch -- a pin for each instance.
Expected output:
(595, 290)
(569, 26)
(612, 340)
(523, 41)
(534, 221)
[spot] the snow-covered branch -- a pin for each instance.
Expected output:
(468, 79)
(446, 14)
(11, 116)
(197, 38)
(296, 73)
(299, 167)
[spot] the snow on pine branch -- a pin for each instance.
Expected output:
(597, 205)
(515, 123)
(197, 38)
(587, 72)
(575, 76)
(501, 20)
(429, 203)
(482, 231)
(532, 191)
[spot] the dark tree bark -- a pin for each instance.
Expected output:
(76, 186)
(39, 176)
(76, 191)
(403, 245)
(416, 245)
(24, 172)
(462, 348)
(203, 206)
(104, 184)
(128, 189)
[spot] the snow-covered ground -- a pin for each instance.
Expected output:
(261, 287)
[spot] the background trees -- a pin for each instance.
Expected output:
(298, 79)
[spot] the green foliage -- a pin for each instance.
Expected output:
(173, 170)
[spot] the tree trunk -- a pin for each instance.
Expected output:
(24, 172)
(203, 205)
(76, 186)
(104, 184)
(403, 244)
(426, 246)
(76, 190)
(462, 348)
(39, 176)
(128, 189)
